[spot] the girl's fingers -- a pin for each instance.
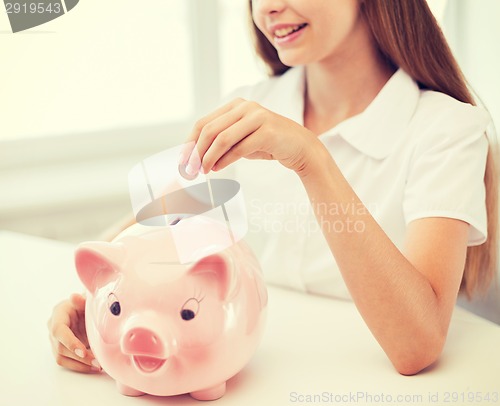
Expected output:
(78, 302)
(62, 354)
(198, 127)
(74, 365)
(186, 151)
(223, 140)
(248, 148)
(216, 132)
(78, 323)
(187, 157)
(61, 351)
(67, 338)
(80, 332)
(214, 129)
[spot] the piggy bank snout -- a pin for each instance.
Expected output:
(143, 341)
(147, 350)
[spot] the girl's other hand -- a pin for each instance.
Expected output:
(68, 336)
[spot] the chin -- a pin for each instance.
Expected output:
(292, 59)
(291, 62)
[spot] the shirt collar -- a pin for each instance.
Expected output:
(375, 131)
(378, 128)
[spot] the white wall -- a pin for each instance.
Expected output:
(474, 34)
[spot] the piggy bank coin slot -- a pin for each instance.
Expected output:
(174, 222)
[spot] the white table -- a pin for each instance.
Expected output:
(313, 346)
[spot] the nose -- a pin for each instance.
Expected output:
(141, 341)
(265, 7)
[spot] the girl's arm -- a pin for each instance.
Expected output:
(405, 297)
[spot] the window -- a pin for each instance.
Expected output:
(106, 64)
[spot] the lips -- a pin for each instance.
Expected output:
(148, 364)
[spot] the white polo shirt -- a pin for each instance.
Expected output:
(411, 154)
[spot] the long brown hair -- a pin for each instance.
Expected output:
(408, 36)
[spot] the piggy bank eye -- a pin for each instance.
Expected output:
(187, 314)
(114, 305)
(115, 308)
(190, 309)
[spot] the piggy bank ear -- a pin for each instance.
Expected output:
(219, 269)
(97, 263)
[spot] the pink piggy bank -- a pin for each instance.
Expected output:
(162, 327)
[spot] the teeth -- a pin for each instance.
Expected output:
(283, 32)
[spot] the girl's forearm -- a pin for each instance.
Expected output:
(396, 301)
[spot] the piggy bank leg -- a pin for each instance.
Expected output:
(212, 393)
(127, 390)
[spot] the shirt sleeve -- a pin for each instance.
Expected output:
(446, 176)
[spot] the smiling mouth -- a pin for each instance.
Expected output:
(148, 364)
(284, 32)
